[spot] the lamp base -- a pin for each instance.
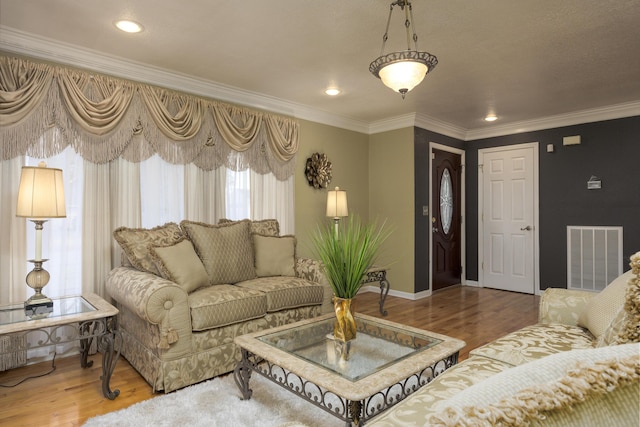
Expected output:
(38, 307)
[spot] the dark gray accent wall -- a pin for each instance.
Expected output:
(609, 150)
(422, 178)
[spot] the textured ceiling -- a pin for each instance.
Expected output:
(520, 60)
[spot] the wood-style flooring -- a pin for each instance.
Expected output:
(70, 395)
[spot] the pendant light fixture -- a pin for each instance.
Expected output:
(403, 70)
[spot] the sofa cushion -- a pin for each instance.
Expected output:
(417, 408)
(286, 292)
(226, 250)
(221, 305)
(135, 243)
(536, 341)
(180, 264)
(582, 387)
(266, 227)
(603, 307)
(274, 256)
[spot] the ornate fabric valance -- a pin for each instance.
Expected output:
(45, 108)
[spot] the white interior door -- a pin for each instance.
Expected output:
(508, 217)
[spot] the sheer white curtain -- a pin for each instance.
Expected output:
(13, 243)
(271, 198)
(260, 196)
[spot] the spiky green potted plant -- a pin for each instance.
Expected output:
(347, 252)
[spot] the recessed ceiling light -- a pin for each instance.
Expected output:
(491, 118)
(332, 91)
(128, 26)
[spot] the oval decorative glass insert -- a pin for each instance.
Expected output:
(446, 201)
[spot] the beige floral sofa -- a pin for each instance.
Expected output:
(578, 366)
(188, 290)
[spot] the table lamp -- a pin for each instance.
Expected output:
(40, 197)
(337, 206)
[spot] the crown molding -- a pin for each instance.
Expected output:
(443, 128)
(611, 112)
(30, 45)
(392, 123)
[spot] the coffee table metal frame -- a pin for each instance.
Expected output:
(98, 322)
(354, 402)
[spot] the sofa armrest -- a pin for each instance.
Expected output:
(562, 305)
(157, 301)
(311, 270)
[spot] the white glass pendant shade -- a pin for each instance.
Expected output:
(403, 76)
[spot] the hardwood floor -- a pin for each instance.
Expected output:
(70, 395)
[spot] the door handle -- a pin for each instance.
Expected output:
(527, 228)
(434, 229)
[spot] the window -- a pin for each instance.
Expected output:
(100, 198)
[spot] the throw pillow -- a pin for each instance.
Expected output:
(275, 256)
(226, 250)
(135, 243)
(180, 264)
(602, 309)
(266, 227)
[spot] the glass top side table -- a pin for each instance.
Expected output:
(74, 318)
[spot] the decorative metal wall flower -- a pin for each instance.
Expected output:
(318, 170)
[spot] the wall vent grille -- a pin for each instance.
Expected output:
(594, 257)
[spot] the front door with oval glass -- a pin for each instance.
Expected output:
(446, 215)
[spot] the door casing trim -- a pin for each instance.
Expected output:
(536, 209)
(463, 242)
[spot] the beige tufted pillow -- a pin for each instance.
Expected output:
(180, 264)
(603, 308)
(275, 256)
(135, 243)
(226, 250)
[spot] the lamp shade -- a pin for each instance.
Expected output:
(403, 75)
(41, 193)
(337, 203)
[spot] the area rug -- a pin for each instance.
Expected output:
(217, 403)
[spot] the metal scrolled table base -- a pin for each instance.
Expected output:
(376, 274)
(354, 413)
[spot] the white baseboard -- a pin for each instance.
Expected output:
(400, 294)
(473, 283)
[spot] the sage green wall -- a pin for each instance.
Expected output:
(391, 197)
(348, 153)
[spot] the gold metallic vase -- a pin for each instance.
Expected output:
(344, 328)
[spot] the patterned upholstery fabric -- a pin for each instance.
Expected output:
(286, 292)
(418, 408)
(311, 270)
(135, 243)
(213, 354)
(562, 305)
(611, 335)
(180, 264)
(226, 250)
(274, 256)
(220, 305)
(603, 307)
(535, 341)
(542, 387)
(266, 227)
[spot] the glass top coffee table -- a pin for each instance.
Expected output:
(384, 364)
